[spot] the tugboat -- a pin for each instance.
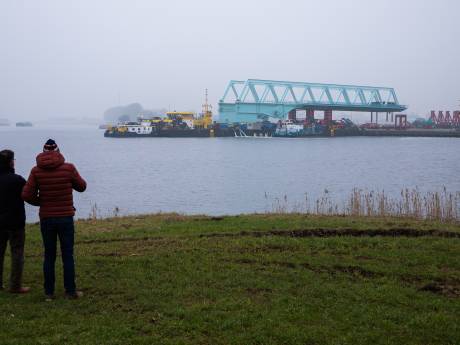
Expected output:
(289, 129)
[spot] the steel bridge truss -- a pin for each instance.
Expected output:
(255, 99)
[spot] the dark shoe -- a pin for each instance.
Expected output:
(49, 298)
(75, 295)
(24, 289)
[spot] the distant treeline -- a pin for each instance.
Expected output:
(129, 112)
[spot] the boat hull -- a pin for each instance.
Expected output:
(172, 133)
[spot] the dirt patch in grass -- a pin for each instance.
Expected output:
(277, 248)
(364, 258)
(123, 239)
(269, 248)
(397, 232)
(258, 291)
(107, 254)
(284, 264)
(245, 261)
(448, 288)
(356, 271)
(444, 287)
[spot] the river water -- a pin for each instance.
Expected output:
(219, 176)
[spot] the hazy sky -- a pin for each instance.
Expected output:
(76, 58)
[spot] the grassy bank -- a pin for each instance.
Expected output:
(260, 279)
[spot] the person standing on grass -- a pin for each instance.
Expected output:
(52, 182)
(12, 221)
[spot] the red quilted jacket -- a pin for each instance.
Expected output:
(50, 185)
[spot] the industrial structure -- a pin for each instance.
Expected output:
(268, 109)
(255, 100)
(445, 120)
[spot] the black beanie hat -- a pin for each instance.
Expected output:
(50, 145)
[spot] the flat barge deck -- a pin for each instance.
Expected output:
(209, 133)
(412, 132)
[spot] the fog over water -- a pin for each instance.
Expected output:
(231, 176)
(77, 58)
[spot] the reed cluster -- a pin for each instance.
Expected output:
(441, 205)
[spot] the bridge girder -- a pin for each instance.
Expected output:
(255, 99)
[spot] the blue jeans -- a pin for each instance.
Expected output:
(51, 229)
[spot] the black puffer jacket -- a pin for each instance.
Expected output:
(12, 213)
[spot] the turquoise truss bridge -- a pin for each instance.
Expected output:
(253, 100)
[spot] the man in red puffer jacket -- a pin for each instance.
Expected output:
(50, 185)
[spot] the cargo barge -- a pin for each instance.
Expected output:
(175, 125)
(147, 129)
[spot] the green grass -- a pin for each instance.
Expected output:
(171, 279)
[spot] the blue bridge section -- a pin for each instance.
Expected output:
(254, 99)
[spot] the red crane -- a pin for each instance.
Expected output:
(445, 120)
(456, 118)
(440, 118)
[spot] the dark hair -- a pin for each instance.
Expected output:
(6, 157)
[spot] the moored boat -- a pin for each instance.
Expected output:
(24, 124)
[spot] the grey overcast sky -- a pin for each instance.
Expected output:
(76, 58)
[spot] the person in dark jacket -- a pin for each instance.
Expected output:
(12, 221)
(50, 184)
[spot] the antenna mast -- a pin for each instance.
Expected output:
(206, 106)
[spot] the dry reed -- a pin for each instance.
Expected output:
(441, 205)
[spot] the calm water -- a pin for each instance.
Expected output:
(231, 176)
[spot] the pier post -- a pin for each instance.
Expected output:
(310, 116)
(401, 121)
(328, 117)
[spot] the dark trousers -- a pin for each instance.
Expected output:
(16, 237)
(62, 228)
